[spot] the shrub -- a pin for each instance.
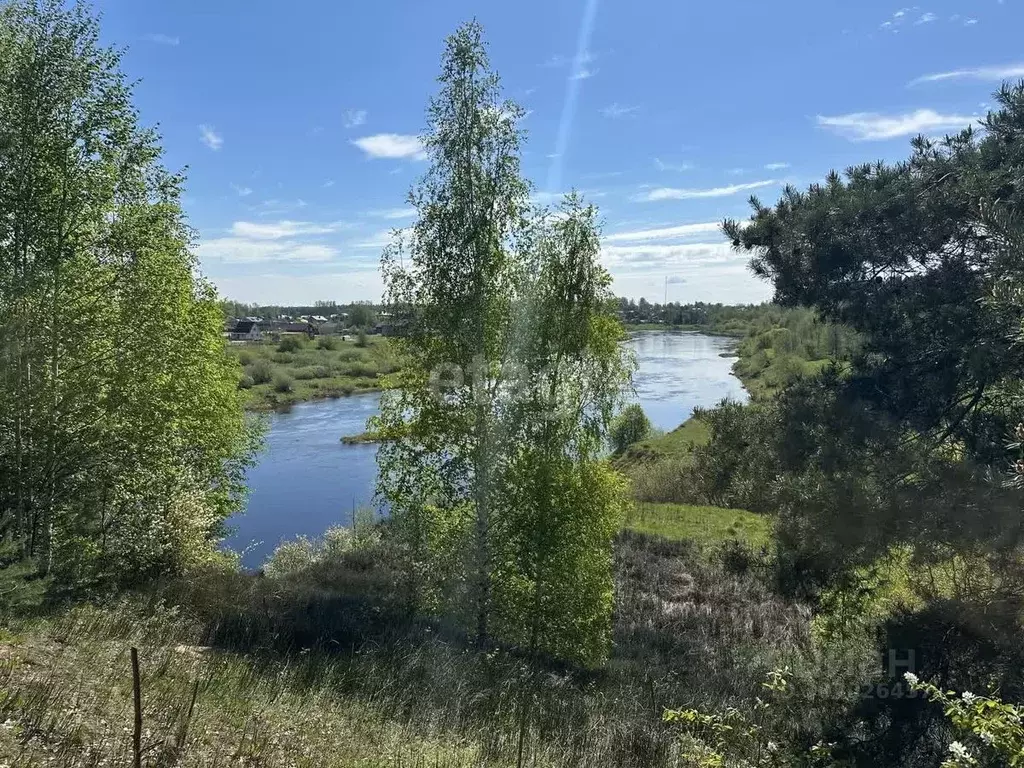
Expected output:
(290, 557)
(365, 370)
(321, 372)
(667, 480)
(361, 338)
(629, 427)
(283, 383)
(290, 344)
(246, 382)
(245, 358)
(327, 342)
(305, 374)
(261, 372)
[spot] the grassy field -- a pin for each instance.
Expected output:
(278, 375)
(313, 669)
(668, 445)
(735, 330)
(705, 526)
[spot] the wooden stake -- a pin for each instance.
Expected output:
(137, 695)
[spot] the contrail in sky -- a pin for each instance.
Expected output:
(572, 88)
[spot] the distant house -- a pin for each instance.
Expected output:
(246, 330)
(307, 328)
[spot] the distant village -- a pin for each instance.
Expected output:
(258, 328)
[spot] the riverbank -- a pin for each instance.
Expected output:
(731, 330)
(276, 376)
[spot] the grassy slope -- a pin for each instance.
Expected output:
(670, 445)
(686, 633)
(314, 373)
(706, 526)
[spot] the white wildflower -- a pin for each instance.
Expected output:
(910, 677)
(968, 697)
(987, 737)
(960, 753)
(773, 747)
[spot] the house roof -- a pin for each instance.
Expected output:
(246, 326)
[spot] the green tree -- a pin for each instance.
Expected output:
(513, 368)
(907, 443)
(456, 290)
(561, 503)
(122, 439)
(629, 427)
(361, 315)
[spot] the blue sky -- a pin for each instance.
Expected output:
(297, 121)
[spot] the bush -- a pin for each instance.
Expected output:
(327, 342)
(261, 372)
(629, 427)
(245, 358)
(305, 374)
(246, 382)
(361, 338)
(667, 480)
(364, 370)
(290, 344)
(283, 383)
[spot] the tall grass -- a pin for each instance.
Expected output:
(320, 665)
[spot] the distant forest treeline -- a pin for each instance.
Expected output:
(732, 319)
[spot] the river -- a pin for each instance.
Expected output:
(307, 480)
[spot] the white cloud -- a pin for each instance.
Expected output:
(161, 39)
(900, 13)
(393, 213)
(583, 73)
(776, 166)
(995, 73)
(970, 22)
(249, 242)
(242, 191)
(379, 239)
(282, 229)
(665, 233)
(243, 250)
(343, 285)
(926, 18)
(682, 255)
(354, 117)
(617, 110)
(671, 193)
(730, 284)
(662, 166)
(391, 146)
(871, 126)
(329, 183)
(210, 137)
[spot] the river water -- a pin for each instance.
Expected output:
(307, 480)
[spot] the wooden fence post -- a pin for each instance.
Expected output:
(137, 696)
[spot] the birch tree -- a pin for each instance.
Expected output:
(121, 431)
(489, 463)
